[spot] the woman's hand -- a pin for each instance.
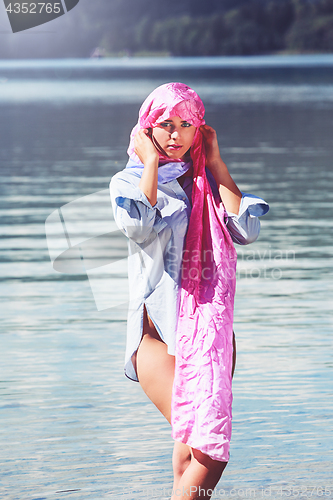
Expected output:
(148, 154)
(229, 192)
(144, 147)
(213, 157)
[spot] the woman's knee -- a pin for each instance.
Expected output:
(214, 467)
(181, 458)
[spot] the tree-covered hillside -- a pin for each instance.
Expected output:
(178, 27)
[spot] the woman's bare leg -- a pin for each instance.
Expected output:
(155, 370)
(181, 459)
(200, 477)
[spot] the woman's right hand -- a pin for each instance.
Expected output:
(148, 154)
(144, 147)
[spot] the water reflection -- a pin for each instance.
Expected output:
(71, 421)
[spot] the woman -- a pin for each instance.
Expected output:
(181, 210)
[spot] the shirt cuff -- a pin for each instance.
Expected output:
(136, 216)
(244, 228)
(253, 204)
(136, 195)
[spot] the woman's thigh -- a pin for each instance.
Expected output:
(155, 368)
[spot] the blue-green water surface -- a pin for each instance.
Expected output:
(72, 426)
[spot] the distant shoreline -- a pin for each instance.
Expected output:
(179, 62)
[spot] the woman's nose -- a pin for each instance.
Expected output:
(174, 134)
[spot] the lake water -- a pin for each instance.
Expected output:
(72, 426)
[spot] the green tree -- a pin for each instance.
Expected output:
(312, 30)
(312, 34)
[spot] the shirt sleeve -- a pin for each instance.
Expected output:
(244, 228)
(133, 213)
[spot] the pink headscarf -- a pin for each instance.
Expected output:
(170, 99)
(201, 399)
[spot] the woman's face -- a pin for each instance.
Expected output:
(175, 136)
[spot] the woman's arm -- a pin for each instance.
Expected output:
(229, 192)
(148, 154)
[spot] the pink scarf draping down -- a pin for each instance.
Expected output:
(202, 395)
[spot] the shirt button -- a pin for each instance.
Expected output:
(184, 199)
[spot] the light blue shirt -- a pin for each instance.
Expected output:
(156, 237)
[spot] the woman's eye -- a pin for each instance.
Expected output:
(168, 124)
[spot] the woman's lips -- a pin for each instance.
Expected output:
(175, 147)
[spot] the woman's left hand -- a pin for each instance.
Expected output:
(229, 192)
(213, 157)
